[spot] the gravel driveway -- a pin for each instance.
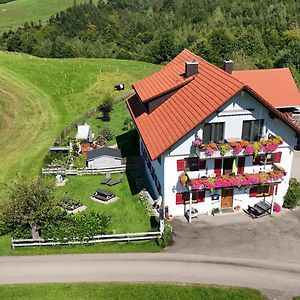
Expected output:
(274, 238)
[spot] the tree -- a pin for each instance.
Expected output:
(292, 196)
(105, 107)
(30, 205)
(105, 134)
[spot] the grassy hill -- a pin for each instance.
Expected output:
(18, 12)
(39, 97)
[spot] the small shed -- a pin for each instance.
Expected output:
(104, 158)
(84, 133)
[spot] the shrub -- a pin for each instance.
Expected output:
(78, 227)
(292, 197)
(167, 236)
(105, 134)
(105, 107)
(75, 149)
(128, 124)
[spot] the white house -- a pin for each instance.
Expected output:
(84, 133)
(104, 157)
(207, 136)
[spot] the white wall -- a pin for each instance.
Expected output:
(241, 107)
(104, 161)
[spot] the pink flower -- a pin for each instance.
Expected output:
(209, 151)
(271, 147)
(196, 143)
(249, 150)
(237, 150)
(276, 207)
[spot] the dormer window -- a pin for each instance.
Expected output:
(213, 132)
(252, 130)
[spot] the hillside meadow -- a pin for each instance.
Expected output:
(39, 97)
(16, 13)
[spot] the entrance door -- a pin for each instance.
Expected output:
(227, 198)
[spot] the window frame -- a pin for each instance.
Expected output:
(187, 165)
(263, 194)
(213, 134)
(251, 133)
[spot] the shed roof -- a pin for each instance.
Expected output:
(104, 151)
(277, 86)
(189, 106)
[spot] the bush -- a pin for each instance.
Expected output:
(105, 134)
(78, 227)
(292, 197)
(128, 124)
(167, 236)
(105, 107)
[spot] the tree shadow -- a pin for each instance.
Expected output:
(154, 222)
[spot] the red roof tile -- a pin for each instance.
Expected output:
(275, 85)
(189, 106)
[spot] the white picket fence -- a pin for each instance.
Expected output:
(122, 237)
(83, 171)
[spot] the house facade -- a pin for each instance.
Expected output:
(209, 139)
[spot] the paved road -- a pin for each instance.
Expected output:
(274, 278)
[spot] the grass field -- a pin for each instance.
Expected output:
(114, 291)
(127, 215)
(16, 13)
(39, 97)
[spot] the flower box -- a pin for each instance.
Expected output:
(235, 148)
(238, 181)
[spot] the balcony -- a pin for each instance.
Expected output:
(225, 181)
(235, 147)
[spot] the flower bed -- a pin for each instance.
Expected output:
(239, 147)
(245, 179)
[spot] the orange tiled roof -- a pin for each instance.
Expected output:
(189, 106)
(275, 85)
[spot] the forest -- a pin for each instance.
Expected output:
(255, 34)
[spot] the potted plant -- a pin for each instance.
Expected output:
(276, 207)
(183, 178)
(215, 211)
(237, 209)
(224, 149)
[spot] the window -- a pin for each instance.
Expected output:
(192, 164)
(263, 190)
(197, 196)
(252, 130)
(213, 132)
(261, 158)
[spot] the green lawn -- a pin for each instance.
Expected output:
(127, 215)
(114, 291)
(118, 114)
(18, 12)
(39, 97)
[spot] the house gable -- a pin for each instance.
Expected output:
(189, 106)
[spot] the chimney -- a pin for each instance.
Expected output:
(228, 66)
(191, 68)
